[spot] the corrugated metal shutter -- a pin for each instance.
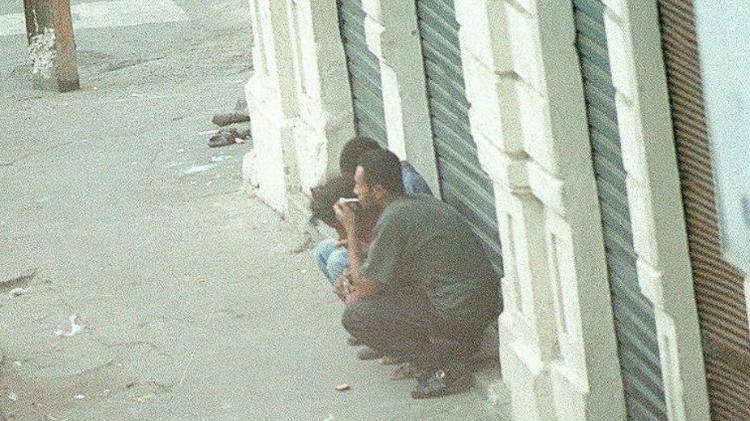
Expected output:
(364, 72)
(463, 183)
(718, 286)
(635, 324)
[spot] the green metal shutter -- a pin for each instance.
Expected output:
(463, 183)
(635, 324)
(364, 72)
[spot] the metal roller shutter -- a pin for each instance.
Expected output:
(463, 183)
(718, 285)
(364, 73)
(635, 324)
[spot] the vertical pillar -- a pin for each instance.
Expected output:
(51, 45)
(558, 349)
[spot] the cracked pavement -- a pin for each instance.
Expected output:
(196, 301)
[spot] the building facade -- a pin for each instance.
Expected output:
(571, 136)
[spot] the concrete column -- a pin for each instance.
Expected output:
(656, 209)
(273, 106)
(51, 44)
(523, 79)
(326, 119)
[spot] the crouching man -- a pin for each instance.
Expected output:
(425, 289)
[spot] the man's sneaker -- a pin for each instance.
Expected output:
(433, 384)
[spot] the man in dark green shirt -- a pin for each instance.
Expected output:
(424, 290)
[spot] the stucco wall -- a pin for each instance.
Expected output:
(657, 216)
(528, 118)
(556, 340)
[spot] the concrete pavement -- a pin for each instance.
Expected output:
(194, 300)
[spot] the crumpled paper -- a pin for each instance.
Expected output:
(74, 327)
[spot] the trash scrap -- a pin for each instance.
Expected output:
(17, 292)
(13, 397)
(342, 387)
(219, 158)
(79, 397)
(74, 328)
(330, 418)
(239, 115)
(230, 136)
(195, 169)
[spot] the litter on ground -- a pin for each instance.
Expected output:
(16, 292)
(74, 327)
(219, 158)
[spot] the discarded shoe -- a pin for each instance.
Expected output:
(436, 383)
(223, 138)
(368, 354)
(246, 134)
(404, 371)
(230, 136)
(226, 119)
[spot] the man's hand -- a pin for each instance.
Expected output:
(342, 287)
(345, 214)
(342, 242)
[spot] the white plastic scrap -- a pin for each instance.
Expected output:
(79, 397)
(218, 158)
(74, 328)
(13, 397)
(195, 169)
(16, 292)
(330, 418)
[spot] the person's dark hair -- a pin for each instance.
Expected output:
(325, 195)
(383, 167)
(351, 152)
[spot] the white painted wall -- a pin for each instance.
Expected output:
(655, 202)
(557, 339)
(321, 87)
(724, 45)
(299, 99)
(523, 81)
(270, 105)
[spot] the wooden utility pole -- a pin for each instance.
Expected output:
(49, 29)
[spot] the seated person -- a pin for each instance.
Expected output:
(323, 197)
(426, 288)
(329, 253)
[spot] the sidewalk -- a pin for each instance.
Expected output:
(192, 302)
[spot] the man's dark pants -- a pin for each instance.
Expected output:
(408, 326)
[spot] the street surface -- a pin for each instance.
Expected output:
(192, 299)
